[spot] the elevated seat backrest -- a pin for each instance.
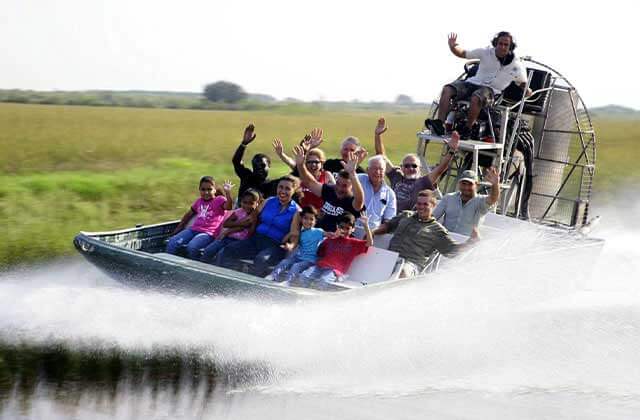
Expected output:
(375, 266)
(535, 104)
(540, 79)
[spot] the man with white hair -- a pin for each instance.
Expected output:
(379, 198)
(349, 145)
(405, 180)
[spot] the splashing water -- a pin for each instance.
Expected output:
(512, 320)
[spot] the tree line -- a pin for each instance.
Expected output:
(221, 95)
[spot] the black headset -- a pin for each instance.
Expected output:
(512, 45)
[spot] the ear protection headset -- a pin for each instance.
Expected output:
(512, 45)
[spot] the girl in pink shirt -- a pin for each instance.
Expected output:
(238, 225)
(209, 213)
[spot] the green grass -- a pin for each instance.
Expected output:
(66, 169)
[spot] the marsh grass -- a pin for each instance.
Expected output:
(66, 169)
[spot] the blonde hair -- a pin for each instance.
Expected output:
(317, 152)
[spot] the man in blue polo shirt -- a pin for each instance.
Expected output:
(379, 198)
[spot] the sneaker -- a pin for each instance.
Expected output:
(436, 126)
(465, 133)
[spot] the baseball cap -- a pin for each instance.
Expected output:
(468, 175)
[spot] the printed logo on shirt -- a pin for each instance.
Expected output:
(204, 208)
(331, 210)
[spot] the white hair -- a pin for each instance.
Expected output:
(377, 158)
(411, 155)
(350, 140)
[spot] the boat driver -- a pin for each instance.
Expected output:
(498, 67)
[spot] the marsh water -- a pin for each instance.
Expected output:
(551, 336)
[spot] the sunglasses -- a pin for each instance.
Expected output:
(314, 162)
(410, 165)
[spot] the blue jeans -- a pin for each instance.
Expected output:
(212, 252)
(195, 241)
(294, 265)
(264, 250)
(318, 275)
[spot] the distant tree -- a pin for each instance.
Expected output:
(224, 92)
(404, 100)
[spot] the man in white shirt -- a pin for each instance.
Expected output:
(498, 67)
(379, 198)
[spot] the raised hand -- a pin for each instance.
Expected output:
(316, 138)
(492, 176)
(277, 146)
(381, 127)
(364, 218)
(351, 164)
(453, 39)
(249, 134)
(227, 186)
(305, 143)
(361, 154)
(454, 142)
(299, 155)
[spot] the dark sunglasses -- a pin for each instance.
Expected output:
(314, 162)
(410, 165)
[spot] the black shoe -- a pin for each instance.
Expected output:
(436, 126)
(465, 133)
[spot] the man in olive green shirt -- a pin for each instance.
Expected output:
(417, 235)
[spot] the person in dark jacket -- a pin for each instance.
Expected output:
(256, 178)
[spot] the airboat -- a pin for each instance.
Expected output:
(543, 146)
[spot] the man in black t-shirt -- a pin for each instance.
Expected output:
(349, 145)
(257, 178)
(346, 195)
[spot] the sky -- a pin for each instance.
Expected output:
(330, 50)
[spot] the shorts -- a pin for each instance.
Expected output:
(464, 91)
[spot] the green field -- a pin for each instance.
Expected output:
(65, 169)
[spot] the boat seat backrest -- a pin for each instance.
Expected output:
(373, 267)
(540, 79)
(382, 241)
